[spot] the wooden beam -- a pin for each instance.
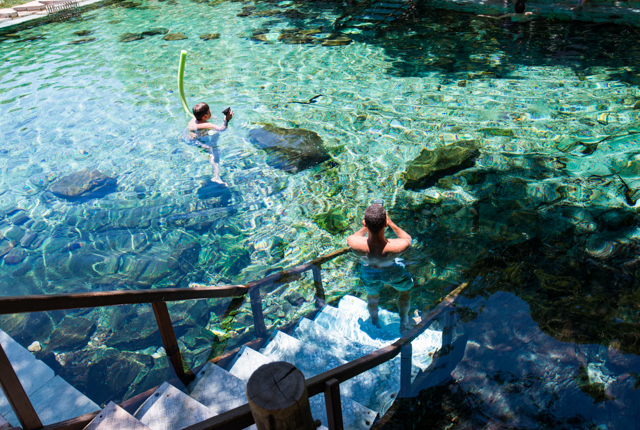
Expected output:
(317, 283)
(170, 342)
(258, 315)
(51, 302)
(406, 352)
(333, 404)
(235, 419)
(14, 392)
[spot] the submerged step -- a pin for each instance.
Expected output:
(114, 417)
(171, 409)
(424, 346)
(367, 389)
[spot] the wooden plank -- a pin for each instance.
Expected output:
(170, 342)
(235, 419)
(333, 405)
(258, 315)
(51, 302)
(319, 261)
(16, 395)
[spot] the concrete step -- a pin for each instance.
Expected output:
(57, 401)
(8, 13)
(351, 320)
(31, 6)
(219, 390)
(32, 373)
(41, 385)
(359, 395)
(4, 425)
(171, 409)
(113, 417)
(387, 385)
(246, 362)
(309, 331)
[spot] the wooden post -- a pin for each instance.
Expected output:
(256, 309)
(14, 392)
(278, 398)
(405, 370)
(333, 404)
(317, 283)
(170, 342)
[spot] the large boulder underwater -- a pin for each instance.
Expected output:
(291, 150)
(85, 184)
(432, 165)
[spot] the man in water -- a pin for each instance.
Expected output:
(379, 263)
(519, 16)
(202, 133)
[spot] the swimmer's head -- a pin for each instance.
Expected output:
(375, 217)
(520, 6)
(200, 110)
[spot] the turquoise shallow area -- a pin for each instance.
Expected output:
(550, 103)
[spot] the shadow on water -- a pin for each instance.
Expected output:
(547, 331)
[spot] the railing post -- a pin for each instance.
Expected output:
(333, 404)
(256, 309)
(406, 352)
(14, 392)
(317, 282)
(278, 398)
(170, 342)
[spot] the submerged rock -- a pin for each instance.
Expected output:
(210, 36)
(430, 166)
(83, 33)
(336, 41)
(130, 37)
(175, 36)
(84, 184)
(110, 371)
(334, 221)
(291, 150)
(81, 41)
(155, 31)
(15, 256)
(72, 333)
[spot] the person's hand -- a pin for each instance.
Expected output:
(228, 116)
(389, 222)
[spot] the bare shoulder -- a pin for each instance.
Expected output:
(397, 246)
(357, 243)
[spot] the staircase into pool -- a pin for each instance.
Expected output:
(336, 336)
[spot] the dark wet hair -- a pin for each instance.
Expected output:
(520, 6)
(375, 217)
(200, 110)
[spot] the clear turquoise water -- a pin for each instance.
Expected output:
(527, 93)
